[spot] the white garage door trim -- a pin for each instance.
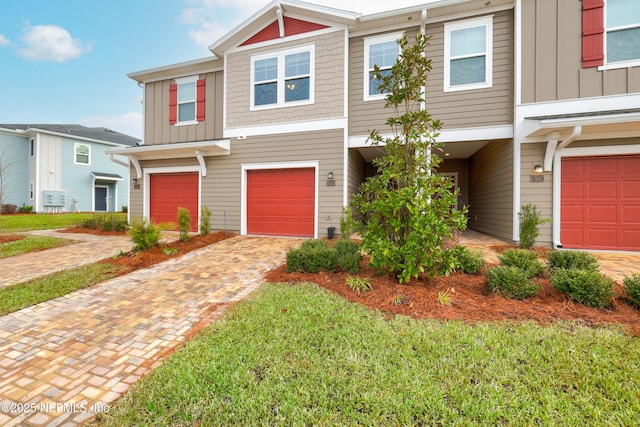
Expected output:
(277, 165)
(146, 204)
(610, 150)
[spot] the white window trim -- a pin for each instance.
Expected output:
(276, 165)
(620, 64)
(75, 154)
(183, 80)
(487, 22)
(367, 43)
(32, 147)
(32, 190)
(281, 77)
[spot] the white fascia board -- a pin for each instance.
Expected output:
(32, 131)
(171, 70)
(277, 42)
(418, 8)
(306, 126)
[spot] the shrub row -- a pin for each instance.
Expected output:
(106, 222)
(315, 255)
(469, 261)
(513, 277)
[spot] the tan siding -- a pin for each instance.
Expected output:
(136, 196)
(537, 193)
(491, 189)
(357, 172)
(157, 127)
(329, 84)
(470, 108)
(552, 56)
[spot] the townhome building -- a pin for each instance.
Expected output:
(271, 131)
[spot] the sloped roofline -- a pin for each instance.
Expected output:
(29, 130)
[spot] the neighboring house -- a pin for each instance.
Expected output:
(63, 168)
(271, 132)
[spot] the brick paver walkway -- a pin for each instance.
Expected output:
(90, 248)
(62, 360)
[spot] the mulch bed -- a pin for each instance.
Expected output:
(92, 231)
(6, 238)
(469, 298)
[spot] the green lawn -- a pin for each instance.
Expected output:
(298, 355)
(13, 223)
(16, 297)
(31, 244)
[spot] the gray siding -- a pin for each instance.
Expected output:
(552, 56)
(469, 108)
(157, 129)
(329, 84)
(536, 193)
(491, 189)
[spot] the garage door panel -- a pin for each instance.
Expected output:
(170, 191)
(281, 202)
(607, 214)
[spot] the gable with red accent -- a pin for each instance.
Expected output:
(292, 27)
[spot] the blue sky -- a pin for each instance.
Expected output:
(66, 61)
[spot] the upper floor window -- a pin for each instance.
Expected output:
(622, 30)
(382, 51)
(283, 78)
(187, 101)
(82, 154)
(468, 54)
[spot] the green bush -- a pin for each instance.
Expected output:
(205, 221)
(144, 234)
(587, 287)
(105, 222)
(573, 260)
(523, 259)
(530, 221)
(313, 244)
(312, 258)
(125, 208)
(25, 209)
(184, 223)
(470, 261)
(92, 223)
(358, 284)
(346, 223)
(511, 282)
(349, 257)
(632, 287)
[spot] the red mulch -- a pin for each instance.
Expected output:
(469, 298)
(6, 238)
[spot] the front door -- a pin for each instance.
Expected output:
(101, 196)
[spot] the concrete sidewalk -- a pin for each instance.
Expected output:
(65, 359)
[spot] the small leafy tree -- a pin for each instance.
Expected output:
(530, 221)
(205, 221)
(406, 212)
(346, 223)
(184, 223)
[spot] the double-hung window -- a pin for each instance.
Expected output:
(468, 54)
(82, 154)
(622, 31)
(382, 51)
(284, 78)
(186, 99)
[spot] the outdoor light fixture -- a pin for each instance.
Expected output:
(330, 175)
(134, 181)
(538, 169)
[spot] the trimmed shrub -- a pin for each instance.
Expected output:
(8, 208)
(25, 209)
(511, 282)
(573, 260)
(349, 257)
(205, 221)
(530, 221)
(523, 259)
(587, 287)
(632, 287)
(125, 208)
(144, 234)
(311, 257)
(470, 261)
(184, 223)
(92, 223)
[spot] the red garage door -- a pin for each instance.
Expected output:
(281, 202)
(601, 203)
(170, 191)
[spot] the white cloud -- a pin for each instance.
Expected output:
(4, 41)
(51, 43)
(128, 123)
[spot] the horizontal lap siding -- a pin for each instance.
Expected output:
(221, 188)
(552, 56)
(491, 189)
(329, 84)
(157, 128)
(536, 193)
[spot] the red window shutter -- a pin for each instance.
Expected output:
(592, 33)
(173, 104)
(200, 98)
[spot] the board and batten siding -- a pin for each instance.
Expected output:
(552, 57)
(491, 189)
(157, 129)
(460, 109)
(221, 188)
(536, 193)
(328, 90)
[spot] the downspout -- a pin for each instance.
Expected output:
(577, 131)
